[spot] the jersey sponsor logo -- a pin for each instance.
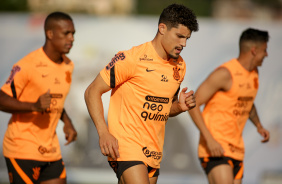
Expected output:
(157, 99)
(234, 148)
(238, 112)
(246, 85)
(145, 58)
(153, 111)
(41, 65)
(36, 172)
(14, 70)
(115, 59)
(56, 95)
(68, 77)
(44, 150)
(54, 102)
(241, 85)
(241, 105)
(57, 81)
(164, 78)
(238, 73)
(153, 154)
(54, 109)
(176, 62)
(147, 70)
(245, 98)
(176, 74)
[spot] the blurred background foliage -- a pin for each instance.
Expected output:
(13, 5)
(150, 7)
(203, 8)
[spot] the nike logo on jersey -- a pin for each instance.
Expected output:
(241, 85)
(44, 75)
(147, 70)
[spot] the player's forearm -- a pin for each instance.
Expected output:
(12, 105)
(96, 111)
(64, 117)
(175, 109)
(254, 117)
(199, 122)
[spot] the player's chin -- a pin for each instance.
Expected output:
(174, 56)
(66, 51)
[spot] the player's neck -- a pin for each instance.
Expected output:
(53, 55)
(159, 48)
(246, 63)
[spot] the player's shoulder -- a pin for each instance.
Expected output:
(222, 72)
(137, 50)
(231, 64)
(67, 61)
(129, 55)
(29, 59)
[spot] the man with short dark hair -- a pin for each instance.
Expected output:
(228, 94)
(35, 94)
(145, 83)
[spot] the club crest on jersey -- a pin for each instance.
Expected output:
(256, 83)
(176, 74)
(13, 73)
(68, 76)
(115, 59)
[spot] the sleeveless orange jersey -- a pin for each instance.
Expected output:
(33, 135)
(226, 113)
(143, 88)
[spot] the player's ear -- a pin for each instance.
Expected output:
(162, 28)
(49, 34)
(254, 50)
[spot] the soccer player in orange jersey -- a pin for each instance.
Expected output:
(228, 94)
(35, 94)
(145, 83)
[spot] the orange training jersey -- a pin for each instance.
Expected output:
(33, 135)
(226, 113)
(143, 88)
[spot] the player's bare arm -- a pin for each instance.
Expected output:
(12, 105)
(218, 80)
(69, 130)
(255, 120)
(93, 99)
(185, 102)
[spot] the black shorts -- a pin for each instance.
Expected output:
(31, 171)
(208, 163)
(120, 166)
